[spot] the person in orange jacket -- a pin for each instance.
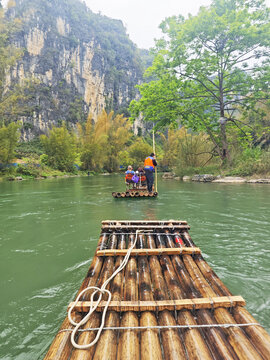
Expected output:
(149, 168)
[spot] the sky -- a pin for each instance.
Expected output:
(142, 18)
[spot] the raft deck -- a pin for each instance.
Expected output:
(167, 303)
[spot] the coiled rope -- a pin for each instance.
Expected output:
(101, 292)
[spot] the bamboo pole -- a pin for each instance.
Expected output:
(235, 335)
(172, 345)
(150, 345)
(146, 252)
(61, 346)
(167, 223)
(194, 342)
(258, 336)
(154, 151)
(215, 339)
(128, 346)
(107, 345)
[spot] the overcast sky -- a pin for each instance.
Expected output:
(142, 17)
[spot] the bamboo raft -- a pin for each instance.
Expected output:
(167, 303)
(134, 193)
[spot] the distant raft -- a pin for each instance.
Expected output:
(167, 303)
(134, 193)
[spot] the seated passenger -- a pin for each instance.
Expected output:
(129, 174)
(142, 176)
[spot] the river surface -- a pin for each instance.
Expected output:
(49, 230)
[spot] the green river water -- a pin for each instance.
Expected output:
(49, 230)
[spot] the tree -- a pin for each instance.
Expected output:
(60, 146)
(103, 141)
(93, 141)
(185, 149)
(138, 151)
(9, 137)
(212, 67)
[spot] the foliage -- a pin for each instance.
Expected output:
(137, 152)
(9, 137)
(212, 67)
(185, 149)
(28, 170)
(29, 148)
(251, 161)
(103, 141)
(60, 146)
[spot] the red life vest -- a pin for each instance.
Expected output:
(143, 178)
(129, 176)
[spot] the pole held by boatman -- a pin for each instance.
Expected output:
(149, 168)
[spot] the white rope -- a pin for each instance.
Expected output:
(101, 291)
(161, 327)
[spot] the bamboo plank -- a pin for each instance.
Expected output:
(143, 222)
(235, 336)
(129, 345)
(121, 226)
(106, 348)
(257, 335)
(144, 252)
(150, 344)
(214, 337)
(172, 345)
(195, 345)
(157, 306)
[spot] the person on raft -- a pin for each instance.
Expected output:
(130, 176)
(149, 168)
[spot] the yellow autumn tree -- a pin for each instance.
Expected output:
(185, 149)
(102, 141)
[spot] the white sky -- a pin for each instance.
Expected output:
(142, 18)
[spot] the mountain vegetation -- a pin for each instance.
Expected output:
(69, 75)
(63, 62)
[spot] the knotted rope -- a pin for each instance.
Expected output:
(101, 292)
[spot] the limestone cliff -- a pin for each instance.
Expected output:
(83, 63)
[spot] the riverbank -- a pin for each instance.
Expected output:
(209, 178)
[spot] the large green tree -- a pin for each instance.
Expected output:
(208, 69)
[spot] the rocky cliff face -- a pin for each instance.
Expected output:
(82, 63)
